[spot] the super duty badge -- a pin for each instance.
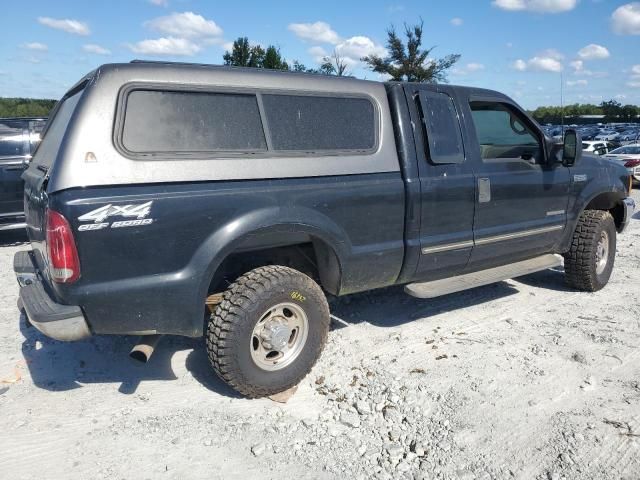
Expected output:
(138, 212)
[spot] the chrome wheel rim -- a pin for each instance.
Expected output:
(279, 336)
(602, 252)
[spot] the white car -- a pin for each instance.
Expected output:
(629, 156)
(597, 147)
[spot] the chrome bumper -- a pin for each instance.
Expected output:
(629, 207)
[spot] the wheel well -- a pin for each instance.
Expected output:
(609, 201)
(312, 257)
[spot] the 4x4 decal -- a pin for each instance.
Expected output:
(136, 211)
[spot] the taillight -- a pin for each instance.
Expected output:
(64, 264)
(632, 163)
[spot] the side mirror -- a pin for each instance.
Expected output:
(571, 148)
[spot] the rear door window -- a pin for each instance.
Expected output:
(442, 126)
(313, 123)
(191, 122)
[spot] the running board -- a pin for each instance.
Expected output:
(437, 288)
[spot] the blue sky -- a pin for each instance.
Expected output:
(520, 47)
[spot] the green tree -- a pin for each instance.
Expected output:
(334, 64)
(611, 110)
(273, 60)
(629, 113)
(243, 54)
(411, 62)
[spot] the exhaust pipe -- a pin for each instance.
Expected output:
(144, 349)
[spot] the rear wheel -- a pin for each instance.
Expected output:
(268, 331)
(589, 262)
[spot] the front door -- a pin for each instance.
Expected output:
(521, 198)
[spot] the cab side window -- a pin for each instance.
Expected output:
(504, 135)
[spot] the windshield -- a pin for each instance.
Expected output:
(626, 150)
(54, 133)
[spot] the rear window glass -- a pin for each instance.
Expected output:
(183, 122)
(12, 140)
(315, 123)
(47, 151)
(443, 128)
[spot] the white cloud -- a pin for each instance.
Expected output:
(159, 3)
(574, 83)
(457, 21)
(467, 69)
(635, 69)
(354, 48)
(519, 65)
(544, 64)
(185, 25)
(633, 83)
(539, 6)
(318, 53)
(68, 25)
(625, 20)
(593, 52)
(546, 61)
(318, 32)
(578, 69)
(35, 46)
(171, 46)
(97, 49)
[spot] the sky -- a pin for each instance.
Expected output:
(527, 49)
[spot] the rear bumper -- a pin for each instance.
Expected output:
(60, 322)
(629, 207)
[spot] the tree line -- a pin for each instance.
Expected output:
(612, 110)
(25, 107)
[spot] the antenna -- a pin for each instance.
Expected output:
(562, 102)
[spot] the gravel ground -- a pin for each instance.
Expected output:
(522, 379)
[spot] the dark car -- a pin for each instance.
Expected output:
(228, 203)
(18, 140)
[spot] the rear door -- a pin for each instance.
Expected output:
(447, 187)
(521, 198)
(14, 150)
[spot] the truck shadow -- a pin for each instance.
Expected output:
(391, 307)
(63, 366)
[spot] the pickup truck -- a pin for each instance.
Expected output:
(228, 203)
(19, 137)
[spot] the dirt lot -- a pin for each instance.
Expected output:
(522, 379)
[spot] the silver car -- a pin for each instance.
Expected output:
(629, 156)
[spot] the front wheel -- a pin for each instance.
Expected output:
(268, 331)
(589, 262)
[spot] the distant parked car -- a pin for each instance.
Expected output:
(629, 156)
(18, 140)
(630, 136)
(597, 147)
(607, 136)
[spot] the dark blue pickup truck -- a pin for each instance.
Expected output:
(227, 203)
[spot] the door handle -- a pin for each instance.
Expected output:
(484, 190)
